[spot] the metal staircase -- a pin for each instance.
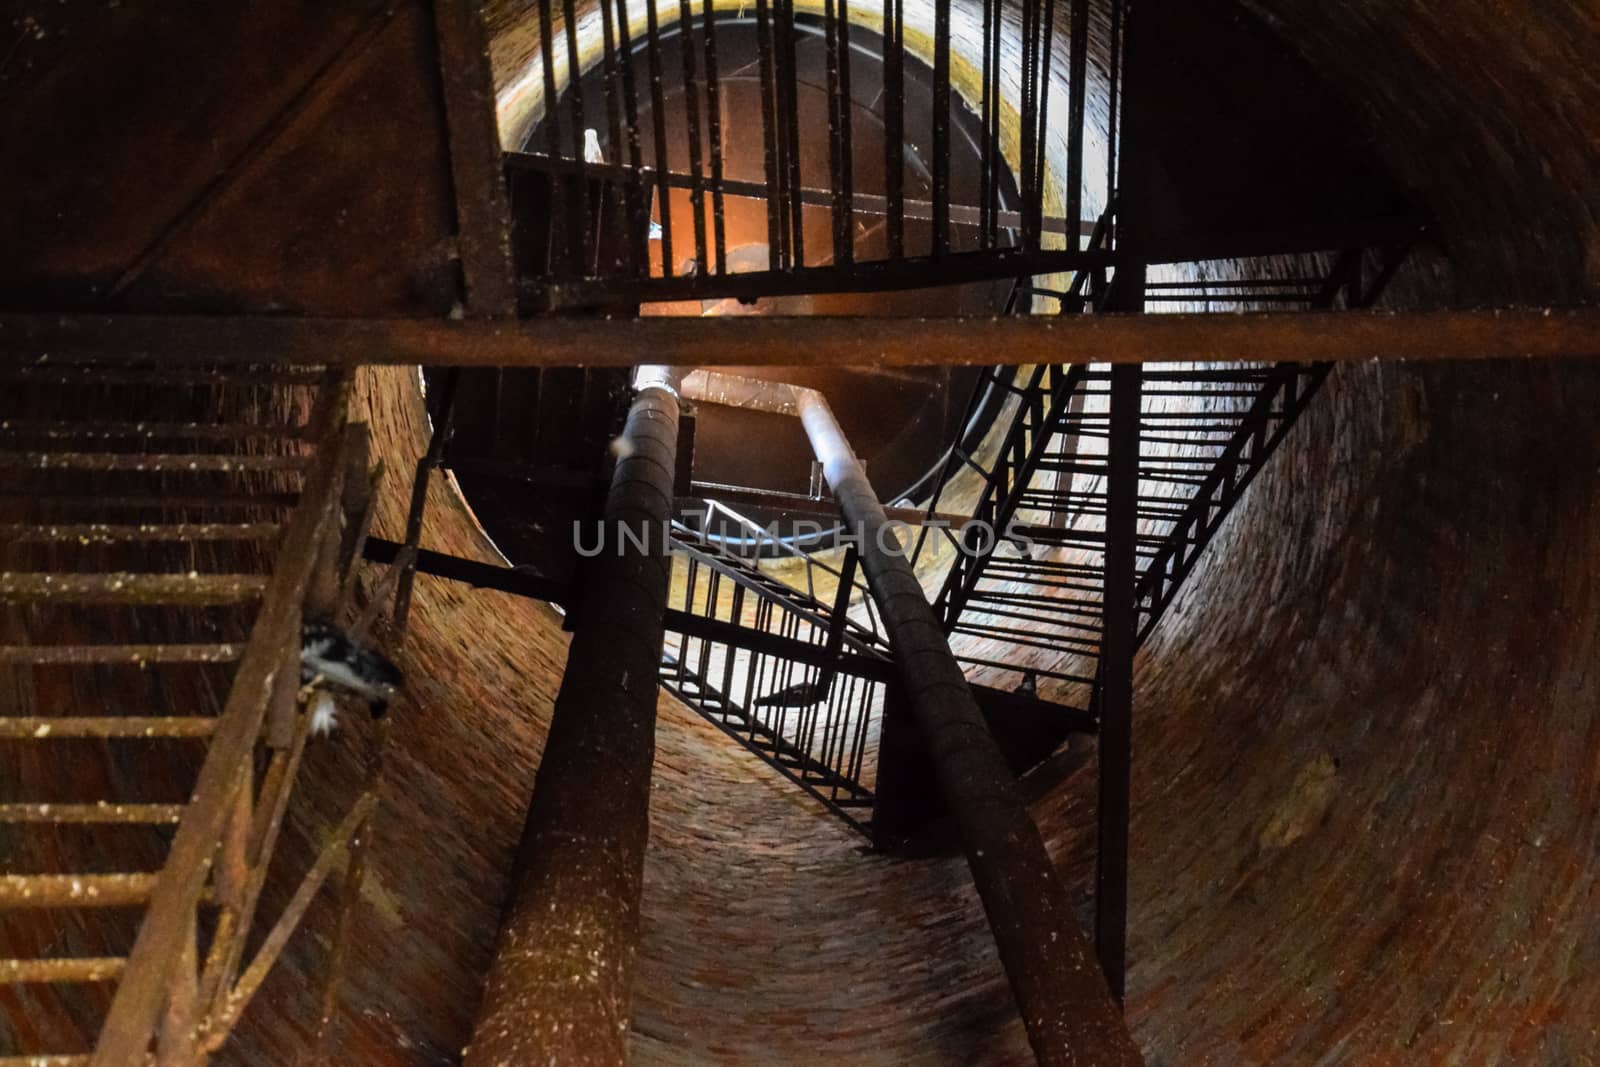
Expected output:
(1028, 576)
(785, 657)
(153, 578)
(796, 680)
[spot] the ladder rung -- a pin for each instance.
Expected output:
(201, 431)
(48, 655)
(90, 533)
(93, 374)
(50, 971)
(75, 890)
(74, 726)
(129, 588)
(102, 812)
(152, 501)
(150, 462)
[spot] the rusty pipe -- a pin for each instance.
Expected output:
(1060, 991)
(558, 989)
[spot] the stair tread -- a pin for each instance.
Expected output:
(93, 374)
(74, 726)
(130, 654)
(99, 812)
(61, 969)
(153, 500)
(110, 533)
(149, 462)
(127, 587)
(76, 890)
(209, 431)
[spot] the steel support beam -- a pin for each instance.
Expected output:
(483, 210)
(995, 703)
(1117, 645)
(419, 498)
(862, 203)
(558, 989)
(1267, 337)
(1065, 1006)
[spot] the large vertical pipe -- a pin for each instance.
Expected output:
(1066, 1007)
(558, 989)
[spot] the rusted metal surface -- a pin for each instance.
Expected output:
(86, 969)
(185, 994)
(558, 990)
(358, 503)
(1065, 1006)
(128, 588)
(75, 890)
(360, 479)
(108, 430)
(272, 946)
(176, 1044)
(275, 789)
(404, 571)
(358, 848)
(40, 728)
(1337, 337)
(155, 462)
(231, 869)
(129, 654)
(163, 502)
(282, 708)
(111, 533)
(139, 999)
(95, 375)
(102, 812)
(483, 213)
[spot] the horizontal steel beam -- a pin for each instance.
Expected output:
(522, 583)
(470, 571)
(863, 276)
(1310, 336)
(861, 203)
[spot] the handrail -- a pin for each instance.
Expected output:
(861, 639)
(858, 584)
(166, 935)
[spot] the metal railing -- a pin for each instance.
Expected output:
(783, 565)
(791, 678)
(173, 992)
(631, 174)
(1028, 595)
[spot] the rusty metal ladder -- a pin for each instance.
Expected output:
(106, 525)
